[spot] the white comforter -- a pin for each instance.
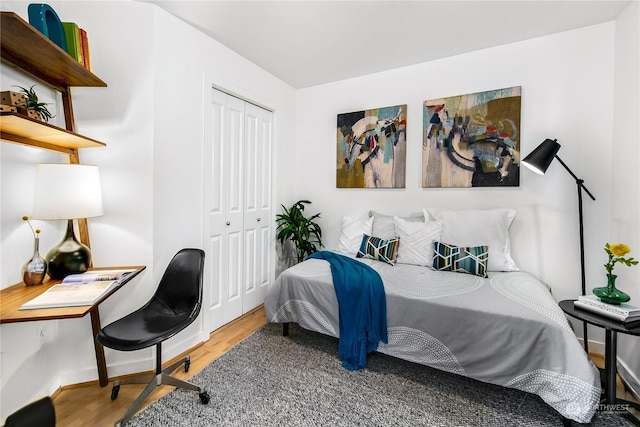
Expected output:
(505, 330)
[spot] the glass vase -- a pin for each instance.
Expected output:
(34, 270)
(610, 294)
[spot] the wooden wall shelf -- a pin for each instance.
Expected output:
(26, 48)
(24, 130)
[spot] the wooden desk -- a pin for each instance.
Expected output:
(12, 298)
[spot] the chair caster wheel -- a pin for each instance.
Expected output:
(114, 392)
(187, 364)
(204, 397)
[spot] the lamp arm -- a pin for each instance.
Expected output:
(578, 180)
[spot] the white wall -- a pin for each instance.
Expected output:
(625, 185)
(151, 118)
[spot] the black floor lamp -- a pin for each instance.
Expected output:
(538, 161)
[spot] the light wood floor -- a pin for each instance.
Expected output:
(89, 404)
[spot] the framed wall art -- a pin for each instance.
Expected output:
(472, 140)
(371, 148)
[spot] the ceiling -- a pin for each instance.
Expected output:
(307, 43)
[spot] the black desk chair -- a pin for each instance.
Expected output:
(175, 305)
(39, 413)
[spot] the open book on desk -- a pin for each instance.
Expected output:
(78, 289)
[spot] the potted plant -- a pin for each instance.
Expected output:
(304, 233)
(35, 105)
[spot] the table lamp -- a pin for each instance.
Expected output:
(67, 191)
(539, 161)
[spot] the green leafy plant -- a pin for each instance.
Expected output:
(303, 232)
(34, 104)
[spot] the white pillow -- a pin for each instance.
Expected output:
(479, 227)
(383, 226)
(352, 232)
(416, 241)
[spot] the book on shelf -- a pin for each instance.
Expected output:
(86, 54)
(78, 290)
(74, 45)
(625, 313)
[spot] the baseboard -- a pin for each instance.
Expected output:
(144, 364)
(631, 382)
(595, 347)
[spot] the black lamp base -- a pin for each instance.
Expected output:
(69, 257)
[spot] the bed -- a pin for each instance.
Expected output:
(500, 327)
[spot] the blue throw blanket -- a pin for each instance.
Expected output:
(362, 308)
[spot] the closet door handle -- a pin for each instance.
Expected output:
(258, 219)
(228, 223)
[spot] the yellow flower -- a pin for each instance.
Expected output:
(616, 253)
(619, 249)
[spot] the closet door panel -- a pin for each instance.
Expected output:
(258, 221)
(233, 183)
(216, 132)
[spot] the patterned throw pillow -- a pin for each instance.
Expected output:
(472, 260)
(379, 249)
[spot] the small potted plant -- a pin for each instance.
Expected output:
(33, 104)
(304, 233)
(610, 294)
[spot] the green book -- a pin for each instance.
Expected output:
(74, 44)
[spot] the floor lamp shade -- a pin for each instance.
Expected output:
(540, 158)
(67, 192)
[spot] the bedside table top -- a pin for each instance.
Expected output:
(597, 320)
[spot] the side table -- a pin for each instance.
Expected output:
(612, 328)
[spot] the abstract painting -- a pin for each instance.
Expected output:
(472, 140)
(372, 148)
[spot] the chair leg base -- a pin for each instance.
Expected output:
(154, 380)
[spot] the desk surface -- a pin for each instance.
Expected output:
(13, 297)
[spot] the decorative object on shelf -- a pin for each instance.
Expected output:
(46, 20)
(472, 140)
(16, 99)
(304, 233)
(67, 191)
(539, 161)
(372, 148)
(34, 270)
(610, 294)
(34, 105)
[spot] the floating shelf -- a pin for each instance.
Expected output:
(24, 130)
(26, 48)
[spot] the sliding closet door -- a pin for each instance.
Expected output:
(257, 216)
(238, 225)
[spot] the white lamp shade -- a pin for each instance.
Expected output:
(67, 191)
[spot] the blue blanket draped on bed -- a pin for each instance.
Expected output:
(362, 308)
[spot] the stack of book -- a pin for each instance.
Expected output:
(77, 43)
(624, 313)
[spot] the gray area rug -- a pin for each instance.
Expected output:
(271, 380)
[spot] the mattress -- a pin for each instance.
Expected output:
(505, 329)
